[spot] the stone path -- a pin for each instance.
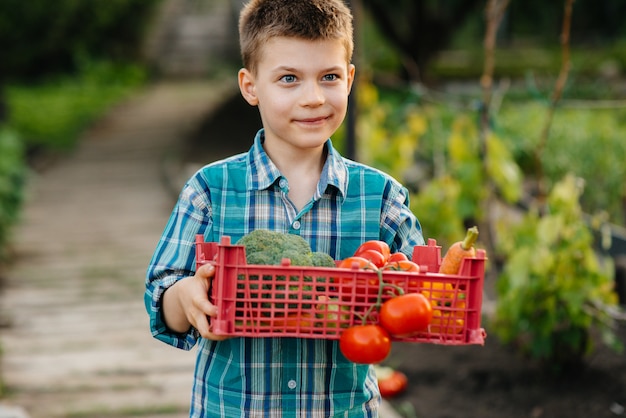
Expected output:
(77, 342)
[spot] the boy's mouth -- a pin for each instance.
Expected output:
(313, 120)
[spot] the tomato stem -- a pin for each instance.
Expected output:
(379, 297)
(397, 289)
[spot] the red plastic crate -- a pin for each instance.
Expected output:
(320, 302)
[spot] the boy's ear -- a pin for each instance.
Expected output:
(351, 72)
(247, 86)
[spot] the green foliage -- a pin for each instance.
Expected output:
(12, 177)
(403, 136)
(388, 137)
(39, 37)
(582, 140)
(527, 40)
(553, 291)
(53, 114)
(436, 208)
(457, 195)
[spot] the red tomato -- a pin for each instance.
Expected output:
(365, 344)
(359, 262)
(391, 382)
(374, 256)
(403, 265)
(406, 266)
(376, 245)
(367, 290)
(397, 257)
(406, 315)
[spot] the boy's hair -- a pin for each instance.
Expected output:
(261, 20)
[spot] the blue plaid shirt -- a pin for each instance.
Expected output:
(277, 377)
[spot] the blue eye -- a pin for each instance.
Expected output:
(288, 78)
(331, 77)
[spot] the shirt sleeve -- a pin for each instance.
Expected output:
(398, 222)
(174, 259)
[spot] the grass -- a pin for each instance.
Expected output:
(51, 114)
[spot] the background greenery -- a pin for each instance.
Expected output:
(51, 115)
(428, 128)
(12, 177)
(40, 38)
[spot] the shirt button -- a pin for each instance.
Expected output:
(296, 225)
(282, 183)
(291, 384)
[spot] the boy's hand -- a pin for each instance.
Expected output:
(187, 304)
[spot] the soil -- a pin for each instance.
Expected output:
(492, 381)
(489, 381)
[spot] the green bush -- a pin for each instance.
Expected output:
(51, 115)
(553, 293)
(41, 37)
(12, 176)
(585, 141)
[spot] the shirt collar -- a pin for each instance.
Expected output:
(263, 173)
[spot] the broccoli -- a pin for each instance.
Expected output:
(322, 260)
(270, 248)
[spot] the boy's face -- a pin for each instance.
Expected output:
(301, 88)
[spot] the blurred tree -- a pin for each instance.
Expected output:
(40, 37)
(420, 28)
(593, 20)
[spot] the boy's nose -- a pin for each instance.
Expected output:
(313, 95)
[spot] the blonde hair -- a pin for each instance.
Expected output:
(261, 20)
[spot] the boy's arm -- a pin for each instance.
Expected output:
(172, 264)
(399, 222)
(186, 304)
(153, 300)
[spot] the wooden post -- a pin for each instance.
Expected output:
(350, 149)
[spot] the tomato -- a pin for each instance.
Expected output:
(352, 283)
(375, 245)
(365, 344)
(390, 382)
(406, 315)
(413, 284)
(403, 265)
(374, 257)
(359, 262)
(397, 257)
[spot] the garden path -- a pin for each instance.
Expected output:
(77, 343)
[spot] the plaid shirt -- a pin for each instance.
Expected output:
(277, 377)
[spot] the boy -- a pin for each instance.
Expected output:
(298, 72)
